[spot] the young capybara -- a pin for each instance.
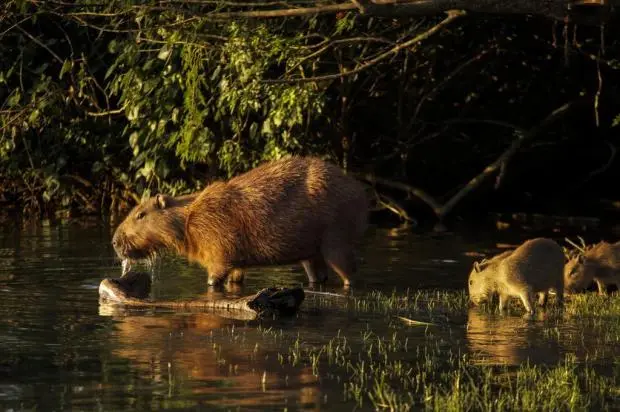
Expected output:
(533, 268)
(297, 209)
(600, 263)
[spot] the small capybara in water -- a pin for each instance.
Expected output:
(533, 268)
(599, 263)
(297, 209)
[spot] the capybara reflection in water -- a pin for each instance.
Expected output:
(297, 209)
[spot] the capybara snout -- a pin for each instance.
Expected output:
(155, 224)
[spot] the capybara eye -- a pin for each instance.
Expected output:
(140, 215)
(471, 282)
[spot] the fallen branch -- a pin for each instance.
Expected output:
(493, 167)
(390, 204)
(133, 289)
(441, 210)
(419, 193)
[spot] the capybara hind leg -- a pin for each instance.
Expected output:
(542, 299)
(235, 276)
(316, 269)
(602, 287)
(342, 262)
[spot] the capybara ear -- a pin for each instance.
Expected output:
(161, 201)
(476, 267)
(581, 259)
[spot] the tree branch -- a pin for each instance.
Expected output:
(442, 210)
(37, 41)
(557, 9)
(419, 193)
(493, 167)
(452, 15)
(447, 80)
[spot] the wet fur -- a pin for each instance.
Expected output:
(533, 268)
(154, 225)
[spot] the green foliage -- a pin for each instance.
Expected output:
(103, 103)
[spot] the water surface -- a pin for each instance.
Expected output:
(61, 349)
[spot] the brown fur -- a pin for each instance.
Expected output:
(156, 224)
(297, 209)
(533, 268)
(599, 263)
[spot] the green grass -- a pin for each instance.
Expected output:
(386, 372)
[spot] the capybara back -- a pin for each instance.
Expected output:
(290, 210)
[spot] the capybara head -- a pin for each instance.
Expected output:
(482, 282)
(155, 224)
(577, 274)
(479, 287)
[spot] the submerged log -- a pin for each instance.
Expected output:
(133, 290)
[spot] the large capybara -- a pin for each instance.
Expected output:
(533, 268)
(297, 209)
(599, 263)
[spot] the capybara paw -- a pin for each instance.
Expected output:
(214, 281)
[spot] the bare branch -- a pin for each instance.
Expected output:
(106, 113)
(452, 15)
(493, 167)
(442, 210)
(447, 80)
(37, 41)
(419, 193)
(489, 121)
(393, 206)
(297, 12)
(557, 9)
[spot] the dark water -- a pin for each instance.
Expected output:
(59, 349)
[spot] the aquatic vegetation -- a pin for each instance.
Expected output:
(594, 305)
(386, 371)
(430, 302)
(388, 374)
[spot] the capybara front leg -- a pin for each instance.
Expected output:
(503, 301)
(528, 302)
(217, 274)
(542, 299)
(316, 269)
(235, 276)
